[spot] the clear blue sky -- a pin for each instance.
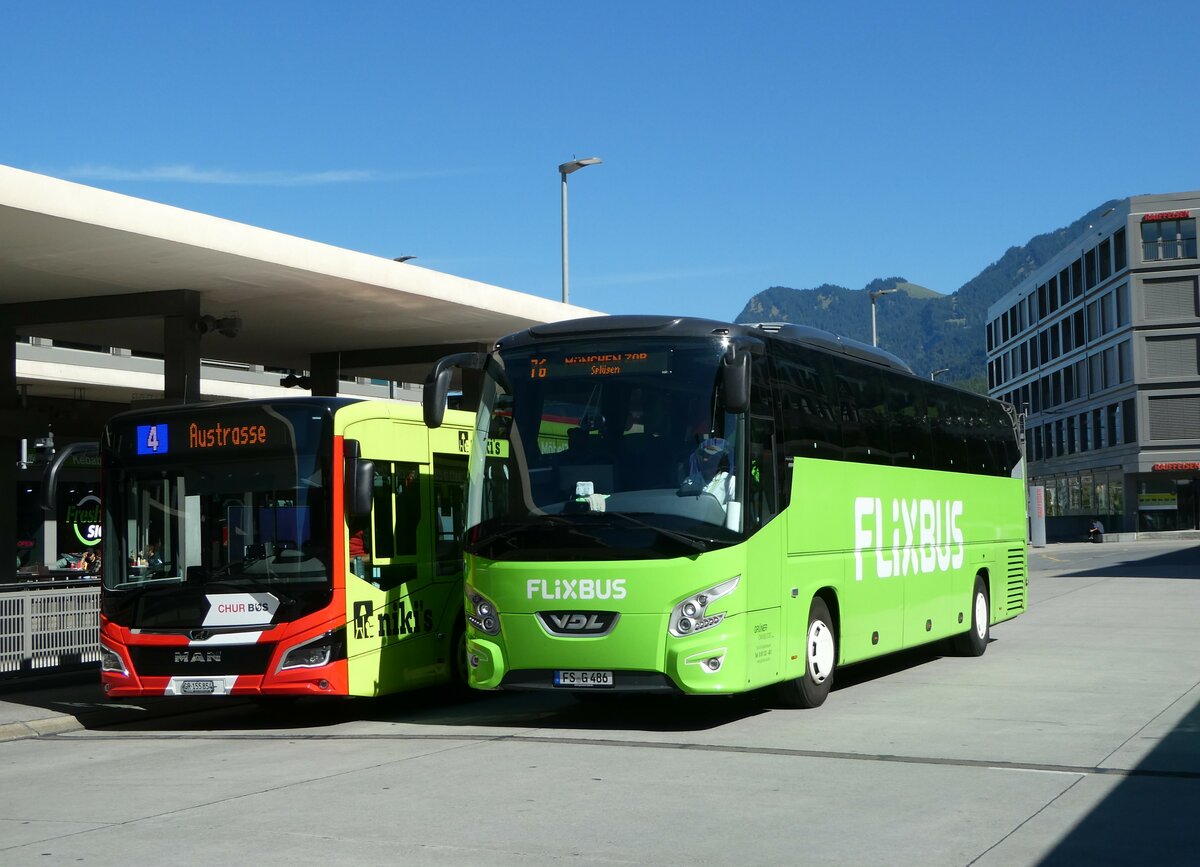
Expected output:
(744, 145)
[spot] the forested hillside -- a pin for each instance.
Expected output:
(928, 330)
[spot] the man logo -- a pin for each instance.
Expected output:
(197, 656)
(578, 624)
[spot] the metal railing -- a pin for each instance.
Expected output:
(44, 629)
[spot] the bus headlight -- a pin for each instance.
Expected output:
(691, 615)
(312, 654)
(481, 612)
(110, 660)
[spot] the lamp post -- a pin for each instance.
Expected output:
(564, 170)
(935, 374)
(876, 293)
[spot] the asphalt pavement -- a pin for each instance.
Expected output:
(1074, 739)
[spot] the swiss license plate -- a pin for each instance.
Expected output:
(583, 679)
(197, 687)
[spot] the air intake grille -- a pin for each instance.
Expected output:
(1017, 586)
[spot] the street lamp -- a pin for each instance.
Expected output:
(564, 170)
(935, 374)
(876, 293)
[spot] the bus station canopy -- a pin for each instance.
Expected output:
(66, 242)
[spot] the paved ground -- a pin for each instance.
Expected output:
(1075, 739)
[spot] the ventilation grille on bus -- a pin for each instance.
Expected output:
(1017, 585)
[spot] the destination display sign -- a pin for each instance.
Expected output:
(229, 433)
(600, 363)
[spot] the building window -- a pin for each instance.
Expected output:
(1089, 260)
(1168, 239)
(1119, 260)
(1130, 419)
(1096, 372)
(1106, 313)
(1122, 300)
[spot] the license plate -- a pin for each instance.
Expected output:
(197, 687)
(583, 679)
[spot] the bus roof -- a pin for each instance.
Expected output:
(684, 326)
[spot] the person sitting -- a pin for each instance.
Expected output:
(710, 471)
(1096, 533)
(154, 559)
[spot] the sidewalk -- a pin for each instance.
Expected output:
(52, 704)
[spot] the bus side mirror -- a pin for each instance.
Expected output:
(360, 480)
(735, 379)
(49, 497)
(437, 384)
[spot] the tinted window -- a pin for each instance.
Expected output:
(805, 395)
(863, 414)
(946, 431)
(911, 446)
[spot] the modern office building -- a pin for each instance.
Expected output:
(1100, 351)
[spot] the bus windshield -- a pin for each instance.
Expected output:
(610, 448)
(249, 516)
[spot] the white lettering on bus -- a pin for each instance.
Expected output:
(576, 588)
(932, 539)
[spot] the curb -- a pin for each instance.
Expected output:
(38, 728)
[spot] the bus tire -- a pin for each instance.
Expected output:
(820, 659)
(974, 641)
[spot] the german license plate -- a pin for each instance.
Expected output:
(583, 679)
(197, 687)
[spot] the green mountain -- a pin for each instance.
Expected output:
(929, 330)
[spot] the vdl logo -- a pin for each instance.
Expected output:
(580, 624)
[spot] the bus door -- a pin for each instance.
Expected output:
(392, 599)
(451, 448)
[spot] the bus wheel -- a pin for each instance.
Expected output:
(820, 657)
(975, 641)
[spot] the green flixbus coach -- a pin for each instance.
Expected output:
(734, 506)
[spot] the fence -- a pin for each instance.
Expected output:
(43, 630)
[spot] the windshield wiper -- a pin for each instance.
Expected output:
(230, 580)
(696, 543)
(228, 568)
(506, 534)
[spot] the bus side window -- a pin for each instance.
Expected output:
(408, 508)
(449, 512)
(911, 446)
(381, 511)
(761, 481)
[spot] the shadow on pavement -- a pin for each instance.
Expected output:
(1150, 817)
(1181, 563)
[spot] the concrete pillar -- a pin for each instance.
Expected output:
(181, 353)
(324, 372)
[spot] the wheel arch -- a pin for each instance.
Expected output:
(829, 596)
(986, 574)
